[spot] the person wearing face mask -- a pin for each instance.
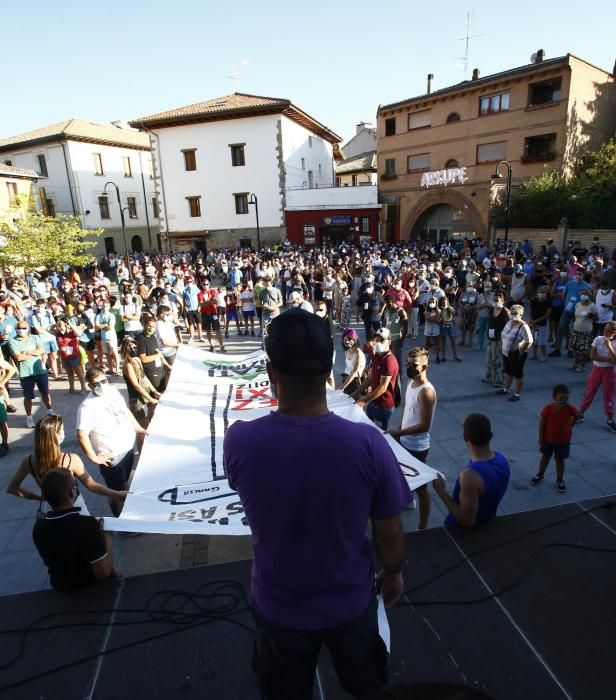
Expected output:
(555, 430)
(540, 307)
(377, 392)
(580, 338)
(27, 351)
(432, 328)
(370, 302)
(393, 317)
(104, 323)
(142, 396)
(606, 305)
(573, 291)
(516, 340)
(449, 285)
(467, 313)
(354, 362)
(494, 353)
(418, 409)
(67, 338)
(106, 431)
(166, 338)
(557, 303)
(47, 456)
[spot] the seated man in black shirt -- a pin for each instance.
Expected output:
(73, 547)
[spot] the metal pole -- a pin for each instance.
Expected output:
(254, 200)
(117, 189)
(508, 200)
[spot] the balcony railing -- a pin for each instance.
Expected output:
(538, 157)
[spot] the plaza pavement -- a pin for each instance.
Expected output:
(591, 470)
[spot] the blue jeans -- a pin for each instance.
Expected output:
(379, 415)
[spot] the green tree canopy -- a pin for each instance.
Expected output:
(34, 240)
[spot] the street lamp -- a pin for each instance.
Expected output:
(498, 176)
(117, 189)
(253, 200)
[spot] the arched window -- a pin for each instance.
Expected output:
(452, 163)
(453, 117)
(136, 244)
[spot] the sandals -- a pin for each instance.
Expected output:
(538, 478)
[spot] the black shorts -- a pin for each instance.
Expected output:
(559, 450)
(88, 345)
(210, 322)
(285, 659)
(115, 477)
(193, 317)
(514, 364)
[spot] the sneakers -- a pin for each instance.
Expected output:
(252, 333)
(503, 390)
(536, 479)
(223, 348)
(4, 450)
(457, 359)
(226, 334)
(554, 353)
(514, 397)
(580, 418)
(611, 426)
(11, 409)
(29, 422)
(560, 486)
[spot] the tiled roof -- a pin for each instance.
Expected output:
(218, 105)
(234, 106)
(362, 162)
(12, 171)
(79, 130)
(529, 68)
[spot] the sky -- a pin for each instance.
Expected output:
(336, 60)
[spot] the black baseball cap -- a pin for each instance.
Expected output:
(298, 344)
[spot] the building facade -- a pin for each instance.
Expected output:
(17, 193)
(74, 160)
(437, 153)
(222, 163)
(358, 166)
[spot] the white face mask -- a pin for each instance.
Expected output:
(380, 347)
(60, 437)
(470, 289)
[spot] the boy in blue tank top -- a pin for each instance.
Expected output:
(481, 485)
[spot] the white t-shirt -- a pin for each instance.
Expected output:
(599, 345)
(513, 334)
(108, 423)
(166, 331)
(248, 300)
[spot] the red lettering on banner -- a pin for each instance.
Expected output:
(258, 392)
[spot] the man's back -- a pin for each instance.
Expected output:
(308, 501)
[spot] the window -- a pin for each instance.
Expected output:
(354, 180)
(237, 154)
(492, 104)
(365, 224)
(8, 162)
(109, 245)
(103, 205)
(42, 165)
(390, 126)
(390, 166)
(241, 203)
(13, 198)
(338, 181)
(155, 209)
(128, 169)
(131, 203)
(453, 117)
(98, 164)
(51, 207)
(194, 205)
(539, 148)
(310, 142)
(420, 120)
(452, 163)
(544, 93)
(418, 162)
(190, 159)
(303, 164)
(491, 152)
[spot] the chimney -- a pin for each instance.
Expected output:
(475, 73)
(614, 70)
(359, 127)
(430, 79)
(540, 56)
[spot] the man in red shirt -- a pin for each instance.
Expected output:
(377, 393)
(208, 306)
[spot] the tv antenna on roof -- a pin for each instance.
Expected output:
(466, 38)
(236, 76)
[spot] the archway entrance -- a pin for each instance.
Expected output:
(442, 221)
(136, 244)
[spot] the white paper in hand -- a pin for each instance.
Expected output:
(383, 623)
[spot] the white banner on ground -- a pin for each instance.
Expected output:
(179, 486)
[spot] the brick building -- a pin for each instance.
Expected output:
(437, 152)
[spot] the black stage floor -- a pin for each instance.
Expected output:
(550, 635)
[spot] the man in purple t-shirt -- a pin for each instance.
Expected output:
(310, 482)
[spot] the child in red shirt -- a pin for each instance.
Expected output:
(555, 430)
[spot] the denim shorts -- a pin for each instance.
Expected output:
(285, 659)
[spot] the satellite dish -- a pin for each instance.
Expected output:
(533, 57)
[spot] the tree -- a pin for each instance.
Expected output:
(34, 240)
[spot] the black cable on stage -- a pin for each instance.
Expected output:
(182, 618)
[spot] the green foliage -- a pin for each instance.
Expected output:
(587, 199)
(34, 241)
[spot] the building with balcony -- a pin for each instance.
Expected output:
(73, 160)
(217, 161)
(437, 152)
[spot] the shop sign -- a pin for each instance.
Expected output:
(336, 220)
(310, 234)
(444, 177)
